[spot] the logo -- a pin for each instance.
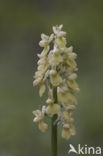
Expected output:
(85, 150)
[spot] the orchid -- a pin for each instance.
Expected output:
(56, 73)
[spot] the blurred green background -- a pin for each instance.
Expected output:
(21, 23)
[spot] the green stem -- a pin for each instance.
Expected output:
(54, 128)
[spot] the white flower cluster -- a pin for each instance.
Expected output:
(56, 69)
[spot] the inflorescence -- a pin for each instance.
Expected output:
(56, 69)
